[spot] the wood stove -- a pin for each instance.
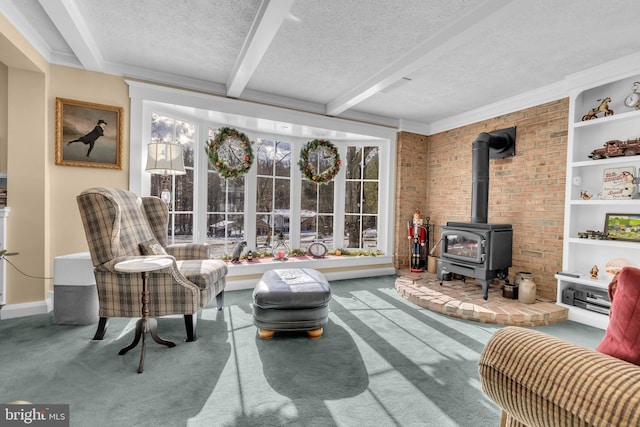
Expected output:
(481, 251)
(478, 249)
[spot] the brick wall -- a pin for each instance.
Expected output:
(527, 190)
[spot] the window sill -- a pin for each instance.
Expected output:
(246, 274)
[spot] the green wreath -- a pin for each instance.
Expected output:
(309, 171)
(230, 152)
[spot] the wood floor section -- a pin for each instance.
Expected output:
(464, 300)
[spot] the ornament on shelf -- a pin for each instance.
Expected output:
(633, 99)
(602, 108)
(585, 195)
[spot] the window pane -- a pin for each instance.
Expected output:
(167, 129)
(185, 134)
(183, 193)
(264, 155)
(370, 197)
(353, 164)
(235, 227)
(216, 201)
(352, 231)
(183, 227)
(370, 232)
(235, 194)
(264, 233)
(282, 194)
(325, 230)
(352, 197)
(264, 195)
(283, 159)
(162, 128)
(371, 162)
(309, 196)
(325, 197)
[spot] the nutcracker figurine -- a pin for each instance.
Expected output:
(417, 235)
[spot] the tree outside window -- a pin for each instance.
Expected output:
(361, 197)
(181, 215)
(273, 191)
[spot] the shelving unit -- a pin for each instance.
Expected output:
(585, 174)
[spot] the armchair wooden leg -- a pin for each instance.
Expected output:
(220, 300)
(190, 321)
(102, 328)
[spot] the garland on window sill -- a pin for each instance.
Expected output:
(309, 171)
(222, 165)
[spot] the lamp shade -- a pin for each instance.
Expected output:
(165, 159)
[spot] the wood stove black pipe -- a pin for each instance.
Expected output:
(497, 144)
(480, 179)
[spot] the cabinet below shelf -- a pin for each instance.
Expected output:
(587, 317)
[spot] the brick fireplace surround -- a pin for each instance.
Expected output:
(433, 174)
(464, 301)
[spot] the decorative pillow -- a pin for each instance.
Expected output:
(622, 339)
(152, 247)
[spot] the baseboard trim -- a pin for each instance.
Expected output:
(11, 311)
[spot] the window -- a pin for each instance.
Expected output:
(225, 210)
(361, 197)
(273, 191)
(318, 206)
(168, 129)
(272, 197)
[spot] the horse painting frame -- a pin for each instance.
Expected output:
(89, 134)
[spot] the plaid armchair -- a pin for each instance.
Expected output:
(120, 225)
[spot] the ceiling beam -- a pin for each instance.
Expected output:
(263, 29)
(418, 57)
(67, 18)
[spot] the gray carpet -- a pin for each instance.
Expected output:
(381, 361)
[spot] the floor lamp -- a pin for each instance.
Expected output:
(165, 159)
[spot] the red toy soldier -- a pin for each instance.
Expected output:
(417, 235)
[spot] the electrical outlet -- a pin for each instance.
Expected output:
(577, 180)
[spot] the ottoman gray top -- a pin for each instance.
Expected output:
(292, 288)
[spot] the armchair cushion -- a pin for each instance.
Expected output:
(152, 247)
(622, 339)
(203, 272)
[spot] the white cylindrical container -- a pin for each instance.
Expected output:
(527, 291)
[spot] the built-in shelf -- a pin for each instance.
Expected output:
(585, 174)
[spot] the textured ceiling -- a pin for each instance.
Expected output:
(334, 56)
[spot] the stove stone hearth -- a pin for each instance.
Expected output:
(464, 300)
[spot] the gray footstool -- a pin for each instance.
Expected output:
(291, 299)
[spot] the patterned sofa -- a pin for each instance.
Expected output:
(539, 380)
(120, 225)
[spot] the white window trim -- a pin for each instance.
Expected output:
(144, 95)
